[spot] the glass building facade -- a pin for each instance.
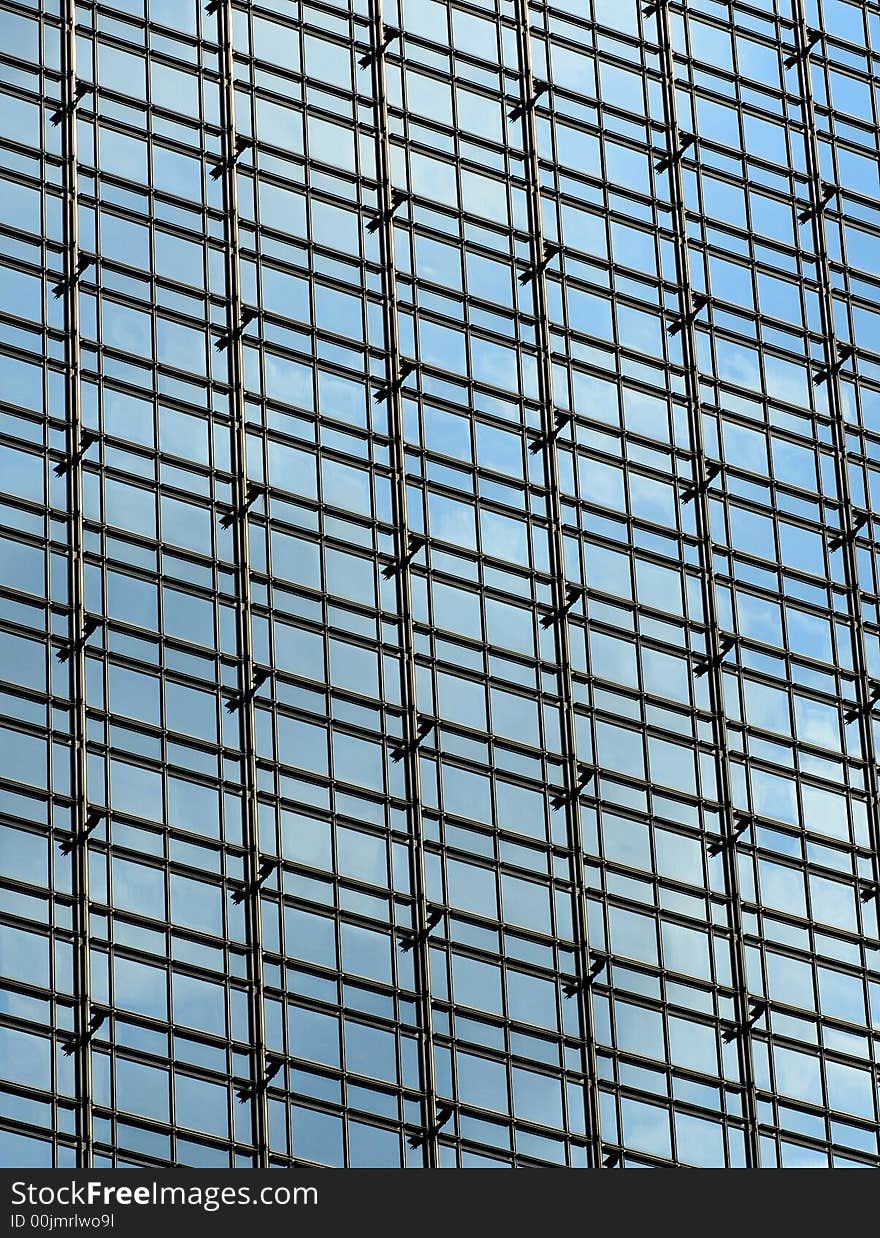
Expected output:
(438, 597)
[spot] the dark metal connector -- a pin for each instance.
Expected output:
(97, 1021)
(248, 315)
(389, 34)
(385, 390)
(758, 1007)
(814, 37)
(540, 87)
(539, 267)
(414, 544)
(83, 262)
(261, 674)
(225, 165)
(692, 489)
(596, 968)
(675, 156)
(678, 321)
(573, 594)
(93, 820)
(254, 492)
(560, 421)
(267, 868)
(67, 109)
(824, 372)
(444, 1113)
(586, 774)
(398, 197)
(424, 729)
(87, 439)
(740, 825)
(249, 1090)
(846, 536)
(408, 939)
(827, 193)
(857, 710)
(704, 664)
(91, 625)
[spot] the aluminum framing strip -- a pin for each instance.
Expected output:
(418, 879)
(250, 815)
(568, 730)
(838, 428)
(76, 585)
(728, 814)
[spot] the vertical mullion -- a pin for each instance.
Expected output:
(421, 950)
(710, 602)
(568, 730)
(76, 581)
(247, 710)
(838, 431)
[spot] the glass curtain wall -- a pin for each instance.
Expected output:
(439, 635)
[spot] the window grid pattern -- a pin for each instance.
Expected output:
(416, 938)
(849, 508)
(573, 777)
(242, 499)
(731, 823)
(517, 494)
(80, 819)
